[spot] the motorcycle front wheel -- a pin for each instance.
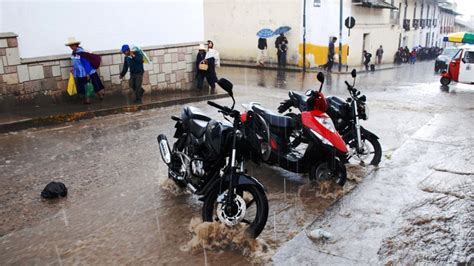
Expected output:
(370, 152)
(249, 207)
(323, 172)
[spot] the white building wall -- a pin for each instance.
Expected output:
(232, 26)
(44, 26)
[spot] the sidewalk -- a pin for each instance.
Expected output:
(15, 117)
(293, 68)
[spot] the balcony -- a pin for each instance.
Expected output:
(415, 23)
(406, 24)
(435, 23)
(394, 17)
(428, 23)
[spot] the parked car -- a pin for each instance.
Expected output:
(442, 61)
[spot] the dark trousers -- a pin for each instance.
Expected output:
(210, 77)
(330, 63)
(135, 84)
(281, 59)
(366, 64)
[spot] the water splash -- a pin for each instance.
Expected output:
(217, 236)
(170, 186)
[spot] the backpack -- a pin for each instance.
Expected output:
(54, 190)
(93, 59)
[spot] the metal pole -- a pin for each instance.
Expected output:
(340, 35)
(304, 36)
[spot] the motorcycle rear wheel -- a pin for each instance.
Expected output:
(256, 209)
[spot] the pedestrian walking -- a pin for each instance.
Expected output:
(83, 71)
(278, 45)
(413, 55)
(205, 69)
(367, 57)
(134, 61)
(379, 54)
(262, 51)
(331, 53)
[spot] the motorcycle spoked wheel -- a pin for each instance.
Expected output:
(254, 213)
(323, 172)
(370, 152)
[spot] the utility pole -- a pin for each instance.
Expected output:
(340, 35)
(304, 36)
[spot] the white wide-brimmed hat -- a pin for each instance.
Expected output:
(202, 47)
(71, 41)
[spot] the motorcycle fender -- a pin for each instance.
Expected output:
(364, 132)
(242, 179)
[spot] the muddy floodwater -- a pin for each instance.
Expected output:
(122, 209)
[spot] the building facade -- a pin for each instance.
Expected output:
(390, 23)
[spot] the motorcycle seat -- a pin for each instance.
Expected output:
(273, 118)
(195, 113)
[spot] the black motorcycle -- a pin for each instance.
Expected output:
(208, 159)
(364, 145)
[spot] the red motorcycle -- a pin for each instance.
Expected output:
(302, 143)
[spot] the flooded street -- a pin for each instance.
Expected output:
(121, 208)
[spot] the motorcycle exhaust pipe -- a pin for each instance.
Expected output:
(165, 150)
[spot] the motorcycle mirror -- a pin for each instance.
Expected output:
(354, 73)
(226, 85)
(320, 77)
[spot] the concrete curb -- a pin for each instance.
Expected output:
(286, 69)
(294, 69)
(76, 116)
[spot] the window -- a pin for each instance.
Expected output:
(469, 57)
(317, 3)
(458, 54)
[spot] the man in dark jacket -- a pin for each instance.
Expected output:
(281, 40)
(367, 57)
(134, 61)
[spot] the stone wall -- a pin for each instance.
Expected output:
(25, 79)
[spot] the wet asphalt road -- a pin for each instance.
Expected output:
(120, 209)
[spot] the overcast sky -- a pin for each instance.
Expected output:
(465, 7)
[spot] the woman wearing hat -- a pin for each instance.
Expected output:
(83, 71)
(205, 68)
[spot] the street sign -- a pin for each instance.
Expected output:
(350, 22)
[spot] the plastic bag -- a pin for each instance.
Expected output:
(89, 90)
(71, 85)
(146, 59)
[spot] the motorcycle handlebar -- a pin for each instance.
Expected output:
(224, 109)
(218, 106)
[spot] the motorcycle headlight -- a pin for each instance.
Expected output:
(323, 139)
(326, 122)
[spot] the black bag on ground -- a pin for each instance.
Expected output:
(372, 67)
(54, 190)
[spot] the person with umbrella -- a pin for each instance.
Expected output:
(262, 51)
(262, 35)
(281, 43)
